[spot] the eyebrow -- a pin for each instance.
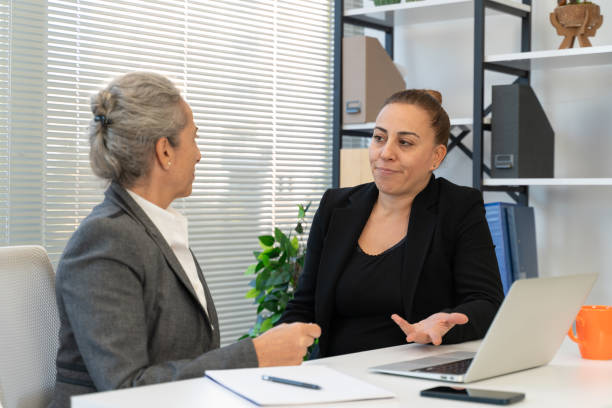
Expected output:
(402, 133)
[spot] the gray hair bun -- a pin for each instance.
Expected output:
(129, 116)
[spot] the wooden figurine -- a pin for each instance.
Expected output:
(576, 19)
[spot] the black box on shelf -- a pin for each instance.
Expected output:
(522, 140)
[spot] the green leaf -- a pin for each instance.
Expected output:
(295, 246)
(282, 303)
(262, 279)
(271, 252)
(276, 279)
(298, 228)
(282, 239)
(279, 235)
(301, 211)
(252, 293)
(251, 269)
(266, 241)
(267, 324)
(264, 259)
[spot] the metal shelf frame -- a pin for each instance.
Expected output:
(458, 131)
(519, 193)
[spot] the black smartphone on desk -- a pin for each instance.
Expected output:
(474, 395)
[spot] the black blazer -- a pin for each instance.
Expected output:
(450, 264)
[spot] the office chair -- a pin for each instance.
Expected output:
(29, 325)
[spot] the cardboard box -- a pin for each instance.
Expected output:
(369, 77)
(354, 167)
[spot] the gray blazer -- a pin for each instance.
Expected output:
(129, 315)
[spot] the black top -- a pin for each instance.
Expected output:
(449, 262)
(367, 294)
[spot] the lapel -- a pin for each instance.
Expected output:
(343, 231)
(421, 226)
(212, 317)
(121, 198)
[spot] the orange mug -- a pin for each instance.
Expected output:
(594, 331)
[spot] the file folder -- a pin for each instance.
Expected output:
(512, 229)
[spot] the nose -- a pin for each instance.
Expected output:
(199, 156)
(388, 151)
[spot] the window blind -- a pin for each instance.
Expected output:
(257, 75)
(23, 84)
(4, 118)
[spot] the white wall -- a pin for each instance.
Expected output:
(574, 224)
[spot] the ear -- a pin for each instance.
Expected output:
(164, 153)
(439, 154)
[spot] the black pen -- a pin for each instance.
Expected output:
(290, 382)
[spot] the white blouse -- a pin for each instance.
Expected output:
(173, 227)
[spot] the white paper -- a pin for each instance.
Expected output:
(335, 386)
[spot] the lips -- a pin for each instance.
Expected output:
(385, 171)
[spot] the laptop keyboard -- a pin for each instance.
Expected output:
(454, 367)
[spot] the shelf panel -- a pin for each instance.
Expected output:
(548, 182)
(549, 59)
(426, 11)
(370, 125)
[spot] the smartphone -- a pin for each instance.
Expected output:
(471, 394)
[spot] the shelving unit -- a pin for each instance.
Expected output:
(554, 59)
(519, 193)
(382, 18)
(519, 64)
(367, 127)
(425, 11)
(549, 182)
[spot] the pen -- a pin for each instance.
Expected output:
(290, 382)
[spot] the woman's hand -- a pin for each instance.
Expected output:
(285, 344)
(432, 329)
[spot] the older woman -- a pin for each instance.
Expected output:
(407, 248)
(133, 302)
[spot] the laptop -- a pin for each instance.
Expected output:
(527, 331)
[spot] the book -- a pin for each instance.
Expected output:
(498, 225)
(522, 238)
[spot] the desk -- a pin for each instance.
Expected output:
(568, 381)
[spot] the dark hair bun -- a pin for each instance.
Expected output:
(434, 94)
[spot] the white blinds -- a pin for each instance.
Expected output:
(24, 106)
(4, 118)
(258, 77)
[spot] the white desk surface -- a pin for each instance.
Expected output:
(567, 381)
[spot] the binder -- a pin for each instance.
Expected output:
(497, 219)
(513, 232)
(522, 237)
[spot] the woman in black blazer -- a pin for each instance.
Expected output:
(408, 250)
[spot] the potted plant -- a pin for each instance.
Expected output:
(276, 271)
(576, 18)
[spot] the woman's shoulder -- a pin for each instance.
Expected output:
(340, 197)
(109, 230)
(450, 191)
(108, 219)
